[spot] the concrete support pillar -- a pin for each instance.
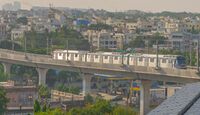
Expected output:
(86, 83)
(145, 96)
(7, 68)
(111, 86)
(42, 75)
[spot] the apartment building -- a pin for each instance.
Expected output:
(106, 39)
(184, 41)
(189, 24)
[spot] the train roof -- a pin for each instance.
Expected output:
(71, 51)
(118, 54)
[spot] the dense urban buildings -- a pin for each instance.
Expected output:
(158, 50)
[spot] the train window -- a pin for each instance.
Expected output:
(76, 55)
(164, 60)
(140, 59)
(132, 59)
(151, 59)
(96, 56)
(105, 57)
(116, 57)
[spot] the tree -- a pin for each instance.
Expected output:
(64, 88)
(44, 92)
(88, 99)
(3, 100)
(137, 43)
(50, 112)
(119, 110)
(44, 108)
(22, 20)
(3, 77)
(37, 107)
(102, 107)
(156, 37)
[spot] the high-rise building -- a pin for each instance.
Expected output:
(17, 5)
(7, 7)
(12, 7)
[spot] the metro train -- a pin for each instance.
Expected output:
(137, 59)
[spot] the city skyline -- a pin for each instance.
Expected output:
(116, 5)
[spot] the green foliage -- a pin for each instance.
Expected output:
(100, 26)
(194, 31)
(37, 42)
(102, 107)
(137, 43)
(88, 99)
(63, 88)
(120, 110)
(5, 44)
(50, 112)
(185, 54)
(156, 37)
(22, 20)
(44, 91)
(37, 107)
(67, 76)
(3, 77)
(74, 111)
(44, 108)
(3, 100)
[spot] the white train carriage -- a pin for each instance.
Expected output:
(147, 60)
(104, 57)
(71, 55)
(150, 60)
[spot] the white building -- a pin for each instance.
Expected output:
(106, 40)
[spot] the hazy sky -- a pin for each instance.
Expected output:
(118, 5)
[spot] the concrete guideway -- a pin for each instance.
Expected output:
(134, 72)
(145, 74)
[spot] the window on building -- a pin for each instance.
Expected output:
(106, 42)
(76, 55)
(96, 56)
(60, 54)
(116, 57)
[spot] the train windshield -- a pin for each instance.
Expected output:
(181, 60)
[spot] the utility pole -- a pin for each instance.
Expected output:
(51, 46)
(157, 55)
(147, 46)
(13, 45)
(198, 55)
(67, 48)
(25, 44)
(47, 45)
(190, 53)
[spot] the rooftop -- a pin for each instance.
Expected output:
(184, 102)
